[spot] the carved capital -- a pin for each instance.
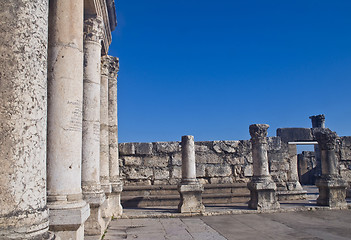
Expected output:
(326, 138)
(258, 133)
(318, 121)
(109, 66)
(93, 29)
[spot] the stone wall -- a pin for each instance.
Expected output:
(344, 154)
(216, 162)
(307, 167)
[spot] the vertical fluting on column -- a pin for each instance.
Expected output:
(114, 177)
(23, 106)
(91, 186)
(190, 189)
(262, 187)
(332, 188)
(318, 121)
(68, 211)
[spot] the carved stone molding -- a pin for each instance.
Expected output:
(258, 133)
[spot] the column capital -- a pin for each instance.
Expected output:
(258, 132)
(318, 121)
(326, 138)
(109, 66)
(93, 29)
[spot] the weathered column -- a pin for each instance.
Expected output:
(92, 191)
(23, 105)
(68, 210)
(318, 121)
(332, 188)
(293, 184)
(190, 189)
(262, 187)
(110, 69)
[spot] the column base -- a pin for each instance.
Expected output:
(294, 192)
(26, 225)
(191, 198)
(67, 219)
(95, 225)
(263, 194)
(332, 192)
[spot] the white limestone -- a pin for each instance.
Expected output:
(23, 106)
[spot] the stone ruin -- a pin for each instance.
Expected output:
(62, 168)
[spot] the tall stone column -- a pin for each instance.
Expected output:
(332, 188)
(23, 105)
(92, 191)
(68, 210)
(109, 137)
(262, 187)
(190, 189)
(318, 121)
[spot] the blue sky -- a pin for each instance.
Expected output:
(212, 68)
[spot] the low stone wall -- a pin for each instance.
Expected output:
(216, 162)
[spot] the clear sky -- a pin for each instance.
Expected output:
(212, 68)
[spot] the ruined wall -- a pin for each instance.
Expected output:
(344, 153)
(307, 164)
(216, 161)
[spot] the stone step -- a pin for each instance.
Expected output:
(167, 195)
(172, 189)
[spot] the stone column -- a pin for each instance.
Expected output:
(293, 183)
(92, 191)
(262, 187)
(109, 137)
(68, 210)
(190, 189)
(23, 106)
(318, 121)
(332, 188)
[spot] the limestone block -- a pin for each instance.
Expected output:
(201, 148)
(225, 146)
(168, 147)
(139, 173)
(176, 159)
(156, 161)
(279, 166)
(248, 171)
(238, 171)
(190, 198)
(274, 143)
(201, 170)
(161, 173)
(176, 172)
(221, 180)
(218, 170)
(132, 161)
(126, 148)
(203, 181)
(208, 157)
(143, 148)
(294, 134)
(234, 160)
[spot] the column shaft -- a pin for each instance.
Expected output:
(188, 159)
(68, 211)
(23, 106)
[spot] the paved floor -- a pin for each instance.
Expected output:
(320, 224)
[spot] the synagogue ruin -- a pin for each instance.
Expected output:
(64, 175)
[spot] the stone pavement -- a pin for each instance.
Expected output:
(299, 219)
(320, 224)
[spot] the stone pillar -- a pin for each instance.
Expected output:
(262, 187)
(190, 189)
(68, 210)
(92, 191)
(318, 121)
(293, 183)
(23, 106)
(332, 188)
(110, 162)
